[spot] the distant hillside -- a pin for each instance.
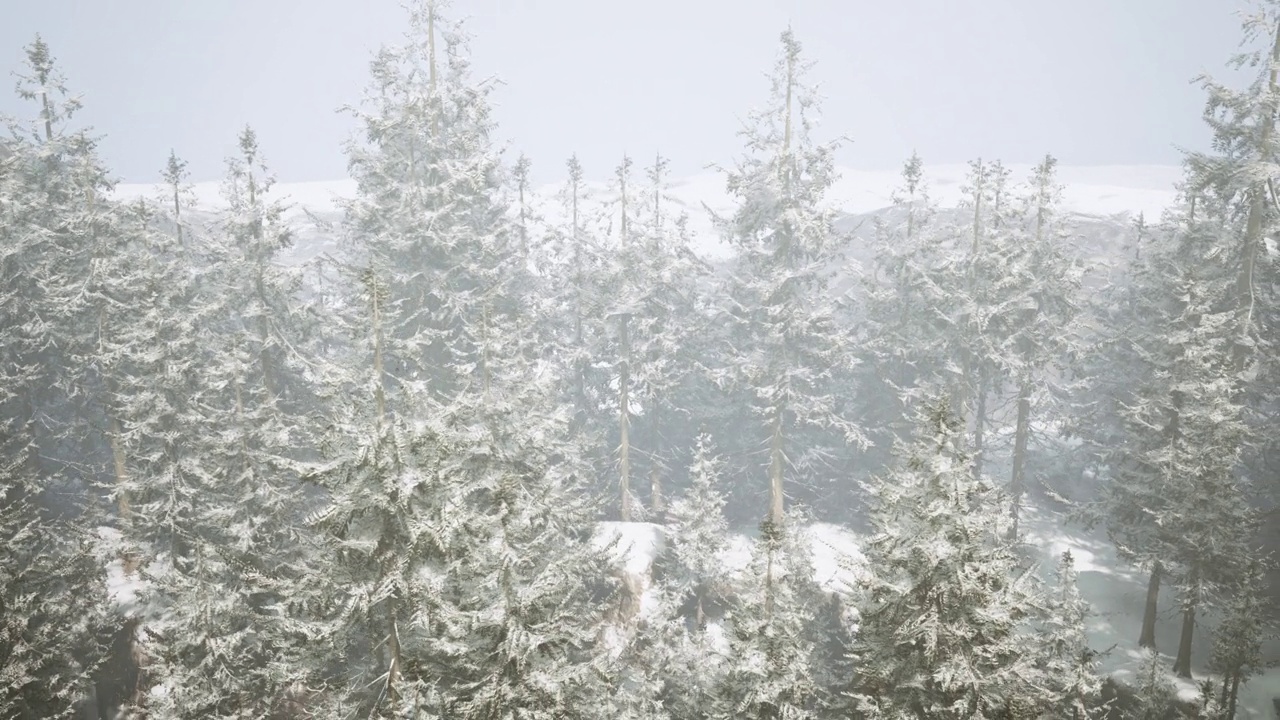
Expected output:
(1104, 199)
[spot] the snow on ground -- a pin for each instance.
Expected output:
(1103, 191)
(838, 564)
(1117, 593)
(634, 545)
(122, 588)
(736, 557)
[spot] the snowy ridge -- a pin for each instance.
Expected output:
(1096, 191)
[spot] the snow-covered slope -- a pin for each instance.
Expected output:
(1095, 191)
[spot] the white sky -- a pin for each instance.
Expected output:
(1092, 81)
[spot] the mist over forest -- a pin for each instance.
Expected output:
(796, 442)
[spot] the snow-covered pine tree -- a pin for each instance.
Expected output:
(227, 579)
(1175, 501)
(698, 533)
(52, 587)
(788, 352)
(903, 328)
(1239, 172)
(459, 532)
(1207, 505)
(656, 674)
(1241, 168)
(457, 523)
(1070, 665)
(621, 310)
(671, 339)
(428, 188)
(53, 601)
(177, 193)
(55, 186)
(986, 324)
(578, 269)
(944, 628)
(1156, 697)
(656, 310)
(769, 670)
(970, 279)
(693, 588)
(1041, 282)
(1237, 641)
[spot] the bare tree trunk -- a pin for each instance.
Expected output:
(776, 501)
(431, 61)
(980, 423)
(1234, 695)
(968, 360)
(656, 500)
(264, 354)
(658, 503)
(522, 184)
(768, 579)
(1147, 638)
(393, 652)
(378, 379)
(580, 371)
(177, 215)
(624, 414)
(48, 116)
(1182, 663)
(117, 455)
(1021, 430)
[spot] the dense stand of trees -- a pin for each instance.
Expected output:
(227, 494)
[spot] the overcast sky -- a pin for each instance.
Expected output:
(1092, 81)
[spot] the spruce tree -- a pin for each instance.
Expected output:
(457, 521)
(53, 605)
(944, 627)
(1069, 663)
(787, 351)
(219, 513)
(1237, 641)
(769, 672)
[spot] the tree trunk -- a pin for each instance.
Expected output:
(776, 507)
(117, 456)
(48, 116)
(393, 651)
(624, 423)
(485, 364)
(1147, 638)
(177, 215)
(1182, 664)
(580, 371)
(1234, 696)
(980, 423)
(431, 62)
(969, 359)
(768, 579)
(379, 395)
(264, 332)
(1022, 428)
(114, 432)
(656, 500)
